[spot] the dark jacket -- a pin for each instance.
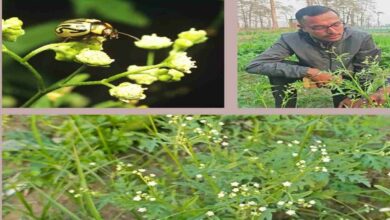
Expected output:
(311, 53)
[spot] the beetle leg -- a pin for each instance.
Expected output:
(66, 40)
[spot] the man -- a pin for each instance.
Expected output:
(321, 35)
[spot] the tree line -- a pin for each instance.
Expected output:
(268, 13)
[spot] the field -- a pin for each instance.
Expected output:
(196, 167)
(254, 90)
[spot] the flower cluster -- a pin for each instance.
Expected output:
(12, 29)
(127, 92)
(210, 131)
(77, 193)
(189, 38)
(139, 196)
(153, 42)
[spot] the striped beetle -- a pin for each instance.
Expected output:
(85, 27)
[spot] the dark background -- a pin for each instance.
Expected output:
(202, 88)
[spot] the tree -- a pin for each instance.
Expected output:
(273, 15)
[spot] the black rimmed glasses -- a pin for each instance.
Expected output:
(325, 28)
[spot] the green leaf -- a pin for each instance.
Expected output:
(384, 189)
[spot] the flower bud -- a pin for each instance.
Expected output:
(153, 42)
(176, 75)
(68, 51)
(182, 44)
(194, 36)
(93, 58)
(12, 29)
(127, 91)
(165, 78)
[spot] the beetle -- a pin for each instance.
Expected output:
(85, 28)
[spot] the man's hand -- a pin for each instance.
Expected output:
(350, 103)
(377, 99)
(320, 78)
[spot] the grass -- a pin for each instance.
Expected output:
(254, 90)
(195, 167)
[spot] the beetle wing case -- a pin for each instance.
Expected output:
(75, 27)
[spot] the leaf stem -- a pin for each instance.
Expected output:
(40, 83)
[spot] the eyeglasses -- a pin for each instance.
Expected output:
(325, 28)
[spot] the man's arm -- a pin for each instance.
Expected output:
(270, 63)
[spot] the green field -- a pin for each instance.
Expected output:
(254, 90)
(200, 167)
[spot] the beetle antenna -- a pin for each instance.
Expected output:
(131, 36)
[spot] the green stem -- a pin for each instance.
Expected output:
(150, 58)
(23, 200)
(40, 83)
(37, 51)
(104, 82)
(39, 94)
(83, 183)
(81, 68)
(138, 70)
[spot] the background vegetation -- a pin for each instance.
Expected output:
(196, 167)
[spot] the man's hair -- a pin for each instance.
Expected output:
(313, 10)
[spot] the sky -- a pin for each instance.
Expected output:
(381, 4)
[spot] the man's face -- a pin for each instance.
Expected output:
(325, 27)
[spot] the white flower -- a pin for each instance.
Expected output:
(142, 210)
(225, 144)
(71, 191)
(326, 159)
(290, 212)
(93, 57)
(221, 194)
(262, 209)
(235, 189)
(256, 185)
(312, 202)
(280, 203)
(153, 42)
(295, 154)
(180, 61)
(385, 209)
(92, 164)
(137, 198)
(289, 145)
(286, 184)
(152, 183)
(253, 203)
(199, 176)
(295, 142)
(234, 184)
(210, 213)
(279, 142)
(146, 77)
(388, 174)
(127, 91)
